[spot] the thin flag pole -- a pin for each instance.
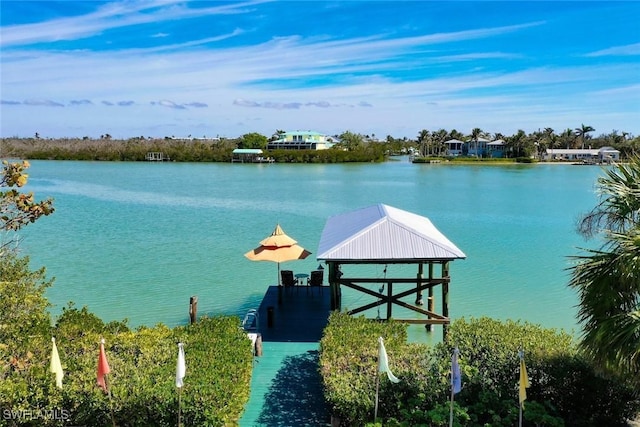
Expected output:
(179, 406)
(456, 382)
(180, 374)
(451, 409)
(103, 371)
(383, 366)
(522, 386)
(106, 383)
(375, 413)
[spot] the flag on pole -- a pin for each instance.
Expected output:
(103, 367)
(383, 361)
(524, 380)
(456, 378)
(56, 367)
(181, 368)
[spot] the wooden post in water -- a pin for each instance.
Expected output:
(445, 297)
(193, 309)
(258, 349)
(431, 303)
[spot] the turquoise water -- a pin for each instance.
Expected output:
(136, 240)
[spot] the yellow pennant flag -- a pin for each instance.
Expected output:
(56, 367)
(524, 380)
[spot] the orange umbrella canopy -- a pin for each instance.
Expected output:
(278, 247)
(278, 253)
(278, 239)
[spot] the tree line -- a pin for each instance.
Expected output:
(362, 147)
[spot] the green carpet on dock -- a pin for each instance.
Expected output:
(286, 387)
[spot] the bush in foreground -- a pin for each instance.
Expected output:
(565, 389)
(142, 361)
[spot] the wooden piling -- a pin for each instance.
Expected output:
(258, 349)
(445, 297)
(193, 309)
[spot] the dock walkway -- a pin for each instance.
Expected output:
(286, 387)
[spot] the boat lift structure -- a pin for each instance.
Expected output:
(383, 235)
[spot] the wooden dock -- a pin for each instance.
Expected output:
(286, 387)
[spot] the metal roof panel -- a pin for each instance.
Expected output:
(384, 233)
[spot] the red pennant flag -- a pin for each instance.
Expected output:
(103, 367)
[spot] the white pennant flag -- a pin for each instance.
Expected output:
(383, 361)
(181, 368)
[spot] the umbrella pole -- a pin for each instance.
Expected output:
(279, 286)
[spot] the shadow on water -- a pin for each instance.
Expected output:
(295, 397)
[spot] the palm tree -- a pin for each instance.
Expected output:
(423, 140)
(608, 279)
(476, 133)
(582, 132)
(550, 139)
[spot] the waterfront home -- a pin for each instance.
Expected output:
(481, 148)
(301, 140)
(454, 147)
(495, 149)
(598, 155)
(477, 148)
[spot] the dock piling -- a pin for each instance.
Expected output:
(193, 309)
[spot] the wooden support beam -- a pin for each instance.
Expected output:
(432, 282)
(445, 296)
(424, 321)
(419, 310)
(419, 280)
(389, 299)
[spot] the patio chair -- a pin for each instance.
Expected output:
(288, 281)
(315, 280)
(250, 321)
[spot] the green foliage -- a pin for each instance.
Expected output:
(607, 280)
(143, 362)
(253, 140)
(348, 364)
(24, 317)
(565, 388)
(18, 209)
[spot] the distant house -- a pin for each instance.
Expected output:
(482, 148)
(599, 155)
(477, 148)
(454, 147)
(301, 140)
(495, 149)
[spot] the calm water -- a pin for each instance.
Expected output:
(136, 240)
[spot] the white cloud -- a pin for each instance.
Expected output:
(627, 50)
(109, 16)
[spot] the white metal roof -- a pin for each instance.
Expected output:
(384, 234)
(247, 151)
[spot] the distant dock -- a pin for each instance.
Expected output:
(156, 156)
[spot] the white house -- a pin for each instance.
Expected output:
(301, 140)
(600, 155)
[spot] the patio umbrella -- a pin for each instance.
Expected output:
(278, 247)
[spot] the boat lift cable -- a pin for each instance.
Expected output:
(381, 289)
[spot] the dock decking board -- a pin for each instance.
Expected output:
(286, 387)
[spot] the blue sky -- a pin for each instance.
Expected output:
(211, 68)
